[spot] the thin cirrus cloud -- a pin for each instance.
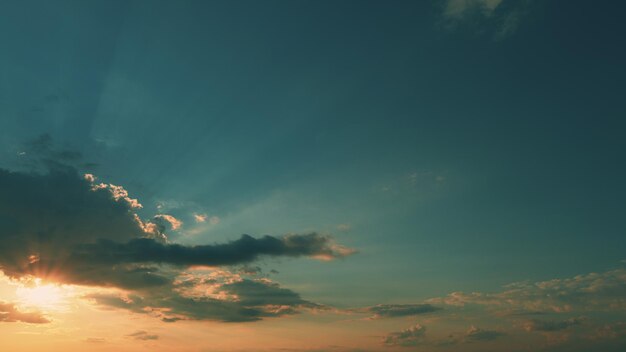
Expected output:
(67, 228)
(500, 18)
(142, 335)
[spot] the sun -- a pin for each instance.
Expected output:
(41, 296)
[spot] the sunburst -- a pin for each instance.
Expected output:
(42, 296)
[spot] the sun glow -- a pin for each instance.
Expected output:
(41, 296)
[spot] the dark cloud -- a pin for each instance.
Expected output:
(399, 310)
(142, 335)
(65, 227)
(476, 334)
(10, 314)
(233, 300)
(245, 249)
(552, 325)
(250, 270)
(408, 337)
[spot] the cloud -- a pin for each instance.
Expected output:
(68, 228)
(476, 334)
(557, 309)
(460, 8)
(609, 331)
(219, 295)
(399, 310)
(200, 217)
(408, 337)
(250, 270)
(589, 292)
(142, 335)
(174, 223)
(244, 250)
(500, 18)
(213, 220)
(9, 313)
(416, 335)
(344, 227)
(551, 325)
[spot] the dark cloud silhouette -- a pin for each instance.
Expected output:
(476, 334)
(234, 300)
(10, 314)
(65, 227)
(399, 310)
(245, 249)
(552, 325)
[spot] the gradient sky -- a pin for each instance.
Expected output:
(454, 169)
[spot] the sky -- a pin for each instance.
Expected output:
(440, 175)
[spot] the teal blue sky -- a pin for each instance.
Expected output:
(454, 145)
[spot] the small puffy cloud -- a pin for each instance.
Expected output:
(9, 313)
(142, 335)
(200, 217)
(89, 178)
(408, 337)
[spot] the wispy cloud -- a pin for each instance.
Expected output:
(143, 335)
(500, 18)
